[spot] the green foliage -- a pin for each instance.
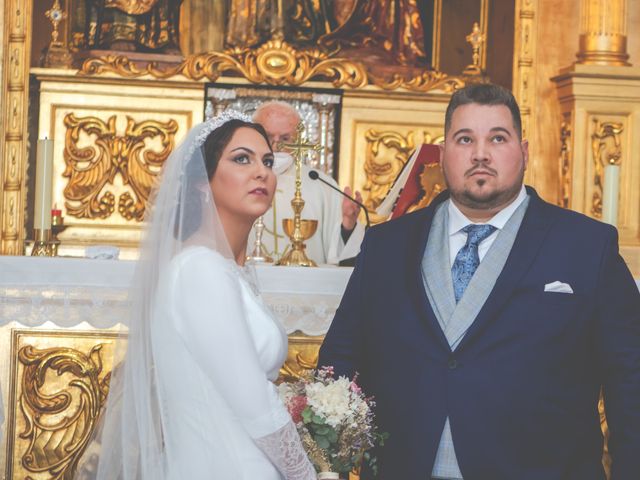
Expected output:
(323, 434)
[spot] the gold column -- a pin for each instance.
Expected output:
(524, 78)
(14, 91)
(603, 32)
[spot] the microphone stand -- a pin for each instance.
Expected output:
(314, 175)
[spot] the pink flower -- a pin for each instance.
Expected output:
(353, 386)
(296, 405)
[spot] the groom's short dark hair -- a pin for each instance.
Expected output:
(484, 94)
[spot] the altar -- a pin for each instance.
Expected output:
(60, 318)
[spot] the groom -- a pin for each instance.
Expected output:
(486, 324)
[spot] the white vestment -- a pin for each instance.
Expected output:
(322, 204)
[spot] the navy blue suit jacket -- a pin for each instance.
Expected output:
(521, 390)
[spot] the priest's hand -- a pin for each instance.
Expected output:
(350, 210)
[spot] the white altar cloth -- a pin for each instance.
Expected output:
(69, 291)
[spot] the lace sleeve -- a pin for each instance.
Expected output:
(284, 449)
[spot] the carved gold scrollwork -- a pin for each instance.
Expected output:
(386, 153)
(565, 165)
(275, 62)
(424, 82)
(302, 356)
(606, 148)
(91, 167)
(59, 424)
(432, 183)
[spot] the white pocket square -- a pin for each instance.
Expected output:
(558, 287)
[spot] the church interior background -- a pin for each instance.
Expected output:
(116, 84)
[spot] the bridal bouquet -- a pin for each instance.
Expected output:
(334, 420)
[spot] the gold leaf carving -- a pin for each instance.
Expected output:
(302, 356)
(275, 62)
(432, 183)
(90, 168)
(386, 153)
(59, 423)
(606, 149)
(425, 82)
(565, 165)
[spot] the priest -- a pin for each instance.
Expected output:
(339, 234)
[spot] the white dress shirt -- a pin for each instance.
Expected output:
(457, 221)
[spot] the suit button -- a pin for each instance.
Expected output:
(453, 364)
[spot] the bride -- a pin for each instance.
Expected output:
(195, 398)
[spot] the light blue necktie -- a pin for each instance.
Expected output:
(467, 259)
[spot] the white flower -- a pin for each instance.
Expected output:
(332, 401)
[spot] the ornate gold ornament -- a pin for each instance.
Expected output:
(55, 15)
(302, 356)
(90, 168)
(57, 54)
(476, 38)
(13, 123)
(386, 153)
(432, 183)
(59, 424)
(275, 62)
(132, 7)
(565, 165)
(606, 149)
(429, 80)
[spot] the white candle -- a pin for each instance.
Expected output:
(44, 180)
(610, 191)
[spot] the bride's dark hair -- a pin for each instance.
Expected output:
(217, 140)
(212, 150)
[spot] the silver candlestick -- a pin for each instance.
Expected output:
(259, 253)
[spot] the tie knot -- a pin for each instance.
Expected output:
(477, 233)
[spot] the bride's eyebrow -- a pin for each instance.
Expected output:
(244, 148)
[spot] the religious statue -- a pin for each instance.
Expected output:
(252, 22)
(397, 30)
(133, 25)
(249, 23)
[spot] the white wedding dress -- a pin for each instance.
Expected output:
(217, 350)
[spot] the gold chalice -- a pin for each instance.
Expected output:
(296, 256)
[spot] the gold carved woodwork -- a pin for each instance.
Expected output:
(432, 183)
(275, 62)
(606, 149)
(13, 122)
(57, 395)
(429, 80)
(526, 26)
(90, 168)
(386, 153)
(132, 7)
(565, 165)
(302, 356)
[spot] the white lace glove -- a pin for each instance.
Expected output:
(284, 449)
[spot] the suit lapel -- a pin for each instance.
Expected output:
(436, 270)
(531, 235)
(414, 267)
